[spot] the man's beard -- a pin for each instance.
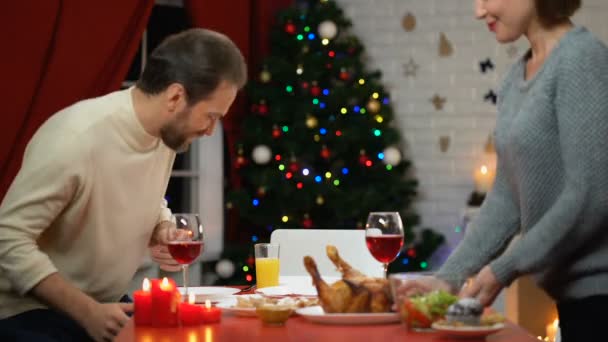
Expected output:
(173, 134)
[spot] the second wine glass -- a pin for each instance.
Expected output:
(186, 242)
(384, 236)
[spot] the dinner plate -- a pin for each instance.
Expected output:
(282, 291)
(231, 308)
(202, 293)
(467, 331)
(316, 314)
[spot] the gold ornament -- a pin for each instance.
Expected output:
(438, 101)
(229, 205)
(408, 22)
(445, 46)
(265, 76)
(311, 122)
(373, 106)
(444, 143)
(320, 200)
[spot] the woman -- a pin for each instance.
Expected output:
(551, 186)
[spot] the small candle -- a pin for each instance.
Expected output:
(210, 313)
(484, 179)
(551, 330)
(165, 300)
(143, 304)
(190, 313)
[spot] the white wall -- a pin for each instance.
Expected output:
(446, 179)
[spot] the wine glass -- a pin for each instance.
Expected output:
(384, 236)
(186, 242)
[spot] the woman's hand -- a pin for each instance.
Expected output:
(485, 287)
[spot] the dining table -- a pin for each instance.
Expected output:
(298, 329)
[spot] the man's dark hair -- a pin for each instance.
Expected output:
(198, 59)
(552, 12)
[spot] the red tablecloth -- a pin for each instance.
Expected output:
(298, 329)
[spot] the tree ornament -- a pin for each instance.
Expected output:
(290, 28)
(327, 29)
(262, 108)
(344, 74)
(305, 49)
(315, 90)
(261, 191)
(294, 166)
(307, 221)
(305, 85)
(392, 156)
(311, 121)
(445, 46)
(229, 205)
(240, 162)
(265, 76)
(300, 69)
(363, 158)
(225, 268)
(320, 200)
(373, 106)
(408, 22)
(325, 153)
(261, 154)
(276, 131)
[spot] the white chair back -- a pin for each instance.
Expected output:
(297, 243)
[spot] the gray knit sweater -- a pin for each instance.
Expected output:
(551, 182)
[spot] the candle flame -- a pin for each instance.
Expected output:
(207, 304)
(165, 285)
(146, 285)
(191, 298)
(484, 169)
(556, 323)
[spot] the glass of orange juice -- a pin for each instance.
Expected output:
(266, 264)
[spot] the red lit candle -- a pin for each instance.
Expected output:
(165, 300)
(211, 314)
(190, 313)
(143, 304)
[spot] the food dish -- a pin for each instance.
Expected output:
(282, 291)
(466, 330)
(202, 293)
(245, 305)
(316, 314)
(231, 308)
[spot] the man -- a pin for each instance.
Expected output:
(87, 202)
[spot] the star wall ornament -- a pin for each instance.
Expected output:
(438, 101)
(445, 46)
(410, 68)
(486, 65)
(490, 96)
(512, 51)
(408, 22)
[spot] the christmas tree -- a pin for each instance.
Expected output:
(320, 148)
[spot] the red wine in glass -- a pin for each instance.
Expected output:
(384, 236)
(385, 248)
(184, 252)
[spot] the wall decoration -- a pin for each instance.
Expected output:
(512, 51)
(438, 101)
(445, 46)
(444, 143)
(490, 96)
(408, 22)
(486, 65)
(410, 68)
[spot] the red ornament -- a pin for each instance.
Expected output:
(250, 260)
(344, 75)
(315, 90)
(240, 162)
(411, 253)
(263, 108)
(363, 158)
(304, 85)
(329, 65)
(294, 167)
(325, 153)
(276, 132)
(307, 222)
(290, 28)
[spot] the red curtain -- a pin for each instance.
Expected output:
(55, 53)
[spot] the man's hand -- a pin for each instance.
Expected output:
(103, 321)
(164, 232)
(485, 287)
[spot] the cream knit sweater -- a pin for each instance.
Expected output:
(84, 204)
